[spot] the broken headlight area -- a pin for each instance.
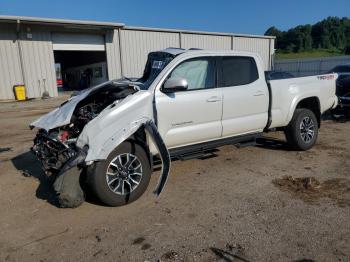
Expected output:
(53, 149)
(56, 146)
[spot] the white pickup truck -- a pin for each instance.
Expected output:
(187, 102)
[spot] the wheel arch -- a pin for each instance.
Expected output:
(313, 104)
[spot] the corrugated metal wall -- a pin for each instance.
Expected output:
(211, 42)
(310, 66)
(134, 54)
(38, 61)
(113, 54)
(136, 44)
(126, 52)
(256, 45)
(10, 67)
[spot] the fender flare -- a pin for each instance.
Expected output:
(295, 103)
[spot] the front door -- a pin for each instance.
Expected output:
(191, 116)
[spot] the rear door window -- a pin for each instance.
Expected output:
(237, 70)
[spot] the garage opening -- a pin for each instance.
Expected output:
(80, 60)
(78, 70)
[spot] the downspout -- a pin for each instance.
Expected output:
(20, 50)
(232, 40)
(270, 56)
(180, 40)
(120, 53)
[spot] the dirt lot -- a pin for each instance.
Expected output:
(238, 205)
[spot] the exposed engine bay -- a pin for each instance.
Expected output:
(56, 146)
(77, 137)
(55, 143)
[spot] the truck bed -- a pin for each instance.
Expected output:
(287, 93)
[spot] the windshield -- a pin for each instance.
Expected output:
(155, 64)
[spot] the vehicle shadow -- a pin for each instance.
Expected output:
(272, 143)
(29, 165)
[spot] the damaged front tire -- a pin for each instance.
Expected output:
(68, 189)
(123, 177)
(67, 184)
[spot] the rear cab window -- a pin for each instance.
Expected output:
(237, 70)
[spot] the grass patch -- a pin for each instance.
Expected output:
(309, 54)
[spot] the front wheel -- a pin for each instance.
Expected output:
(302, 131)
(123, 177)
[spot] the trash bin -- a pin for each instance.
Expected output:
(20, 92)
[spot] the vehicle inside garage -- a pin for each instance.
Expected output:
(80, 60)
(77, 70)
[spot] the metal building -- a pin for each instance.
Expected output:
(35, 51)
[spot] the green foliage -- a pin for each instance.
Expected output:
(309, 54)
(332, 33)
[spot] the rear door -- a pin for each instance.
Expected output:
(191, 116)
(245, 96)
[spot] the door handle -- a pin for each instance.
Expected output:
(213, 99)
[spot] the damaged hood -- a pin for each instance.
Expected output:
(62, 115)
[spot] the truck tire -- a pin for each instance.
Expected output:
(302, 131)
(123, 177)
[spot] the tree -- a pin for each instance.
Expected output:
(330, 33)
(273, 31)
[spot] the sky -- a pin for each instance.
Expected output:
(246, 17)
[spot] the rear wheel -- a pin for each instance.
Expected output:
(302, 131)
(123, 177)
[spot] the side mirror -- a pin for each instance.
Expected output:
(174, 84)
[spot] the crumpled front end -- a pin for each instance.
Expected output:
(87, 128)
(59, 130)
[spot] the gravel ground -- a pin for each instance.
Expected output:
(236, 205)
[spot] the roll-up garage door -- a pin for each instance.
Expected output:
(78, 42)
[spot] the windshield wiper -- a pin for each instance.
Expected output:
(127, 78)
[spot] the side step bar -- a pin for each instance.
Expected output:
(202, 149)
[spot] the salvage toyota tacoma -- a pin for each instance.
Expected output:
(187, 102)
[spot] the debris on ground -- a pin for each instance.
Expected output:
(138, 240)
(98, 238)
(26, 173)
(228, 255)
(5, 149)
(170, 255)
(311, 191)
